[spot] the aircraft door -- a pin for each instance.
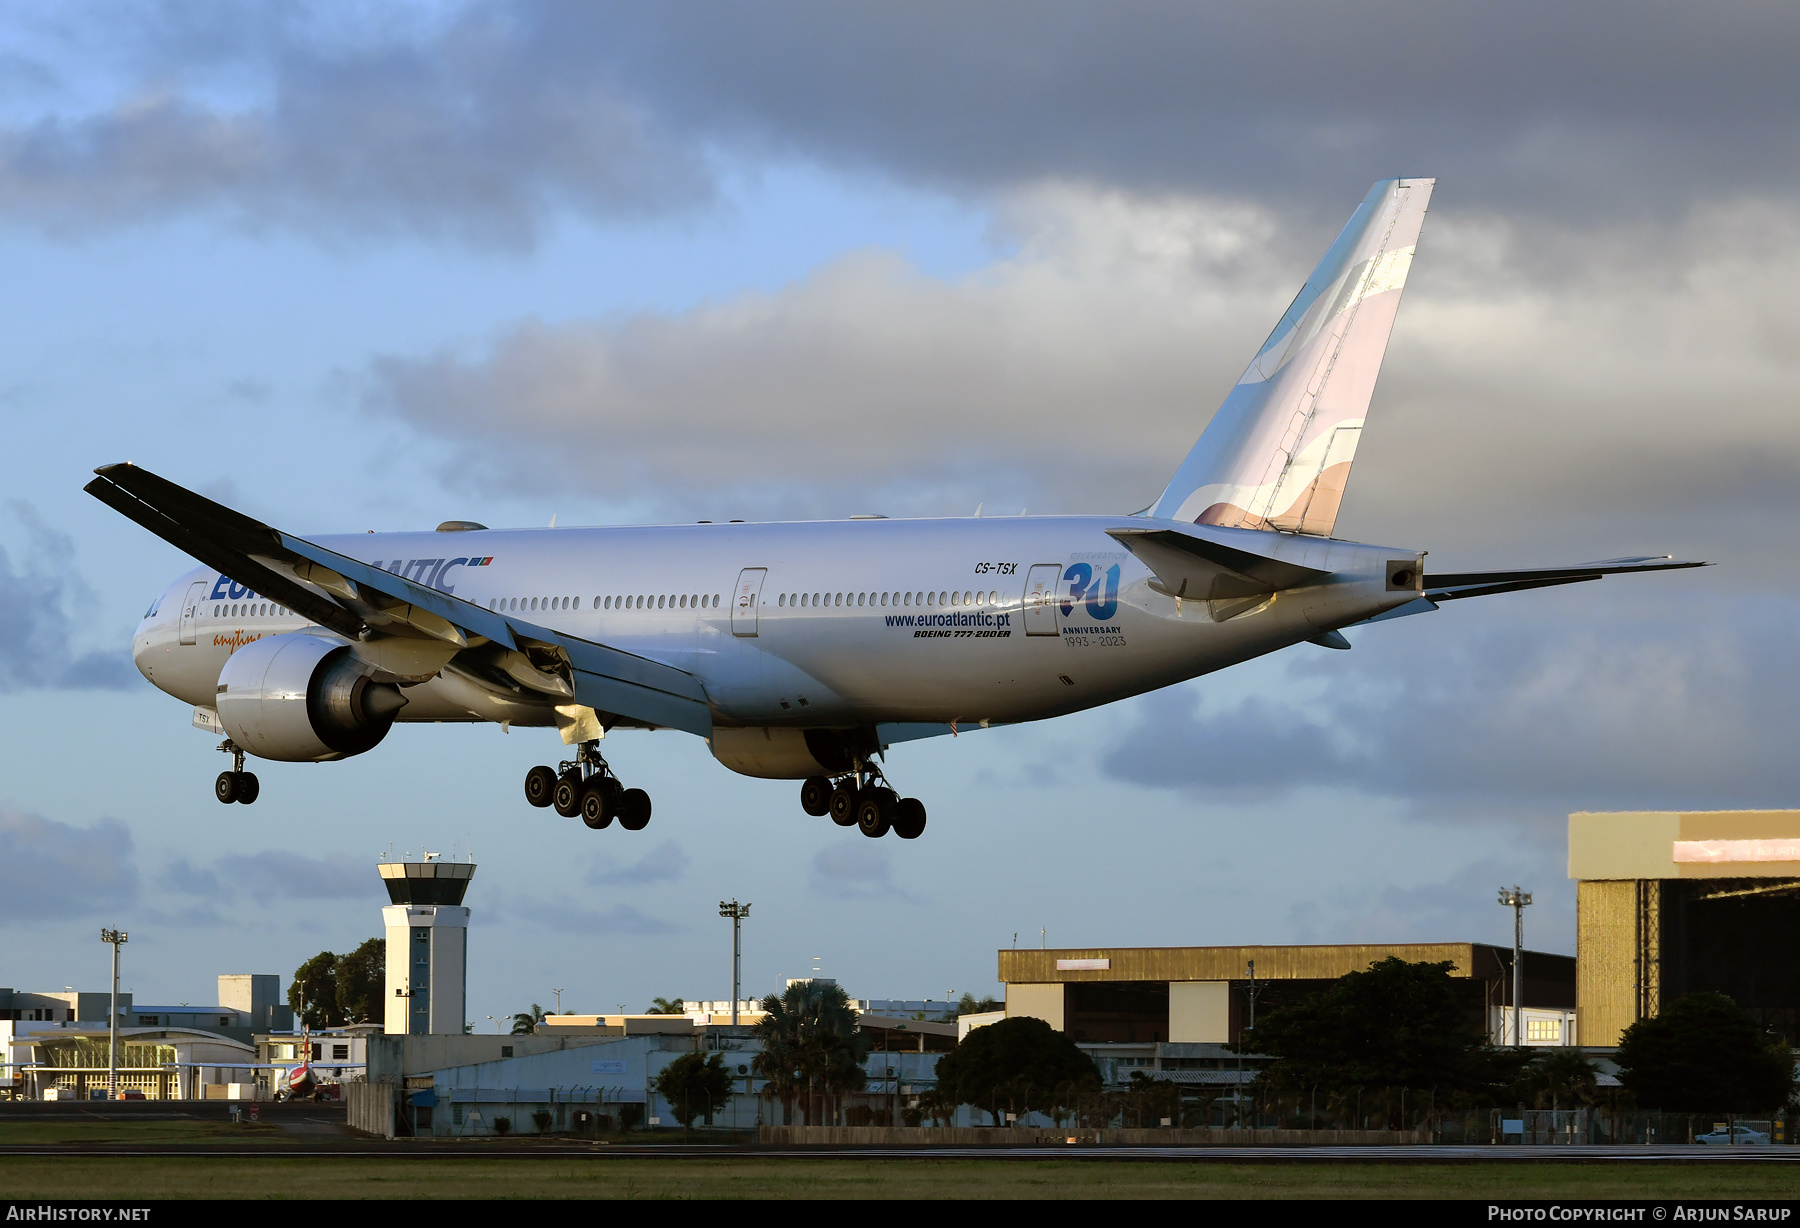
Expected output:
(1040, 598)
(190, 611)
(748, 597)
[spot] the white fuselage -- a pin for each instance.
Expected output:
(856, 623)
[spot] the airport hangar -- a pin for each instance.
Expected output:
(1671, 903)
(1667, 904)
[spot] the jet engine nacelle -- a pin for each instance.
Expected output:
(303, 698)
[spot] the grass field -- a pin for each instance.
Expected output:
(748, 1177)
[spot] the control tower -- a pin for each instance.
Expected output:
(427, 946)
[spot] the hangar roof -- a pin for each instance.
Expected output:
(1299, 963)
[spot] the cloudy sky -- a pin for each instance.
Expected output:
(351, 267)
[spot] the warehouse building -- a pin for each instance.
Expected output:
(1202, 995)
(1670, 903)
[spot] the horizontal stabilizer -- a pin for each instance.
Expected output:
(1452, 586)
(1204, 570)
(362, 602)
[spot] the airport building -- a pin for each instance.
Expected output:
(1671, 903)
(1159, 996)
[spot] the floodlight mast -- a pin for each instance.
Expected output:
(737, 912)
(117, 939)
(1516, 900)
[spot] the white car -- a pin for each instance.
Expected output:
(1738, 1135)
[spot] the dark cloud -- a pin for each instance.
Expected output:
(470, 129)
(276, 873)
(51, 870)
(478, 121)
(1277, 98)
(38, 623)
(1537, 706)
(663, 864)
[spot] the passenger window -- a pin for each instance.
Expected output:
(966, 597)
(993, 598)
(781, 600)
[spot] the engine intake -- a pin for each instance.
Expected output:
(303, 698)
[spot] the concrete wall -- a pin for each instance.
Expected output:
(369, 1107)
(1200, 1012)
(1044, 1002)
(392, 1058)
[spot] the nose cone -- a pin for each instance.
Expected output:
(146, 642)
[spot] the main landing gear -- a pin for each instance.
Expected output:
(587, 787)
(237, 785)
(864, 801)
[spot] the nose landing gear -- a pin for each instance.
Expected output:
(586, 786)
(237, 785)
(863, 800)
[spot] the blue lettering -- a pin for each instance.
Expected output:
(218, 593)
(237, 591)
(1105, 607)
(444, 575)
(1079, 575)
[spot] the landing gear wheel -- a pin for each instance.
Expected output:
(874, 812)
(247, 787)
(815, 796)
(540, 783)
(843, 804)
(909, 818)
(597, 804)
(225, 788)
(634, 810)
(566, 797)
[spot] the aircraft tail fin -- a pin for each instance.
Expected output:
(1277, 454)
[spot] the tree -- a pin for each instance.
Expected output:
(1017, 1065)
(525, 1022)
(810, 1042)
(1557, 1079)
(1704, 1054)
(667, 1006)
(1395, 1028)
(362, 982)
(970, 1006)
(314, 991)
(695, 1086)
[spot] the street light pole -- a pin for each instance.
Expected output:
(737, 912)
(117, 939)
(1516, 900)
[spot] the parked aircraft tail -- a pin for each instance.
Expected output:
(1277, 454)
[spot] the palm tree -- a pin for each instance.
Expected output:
(525, 1022)
(667, 1006)
(811, 1041)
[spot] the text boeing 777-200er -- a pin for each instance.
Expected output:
(803, 651)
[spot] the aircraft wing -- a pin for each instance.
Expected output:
(362, 602)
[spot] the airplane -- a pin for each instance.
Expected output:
(806, 650)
